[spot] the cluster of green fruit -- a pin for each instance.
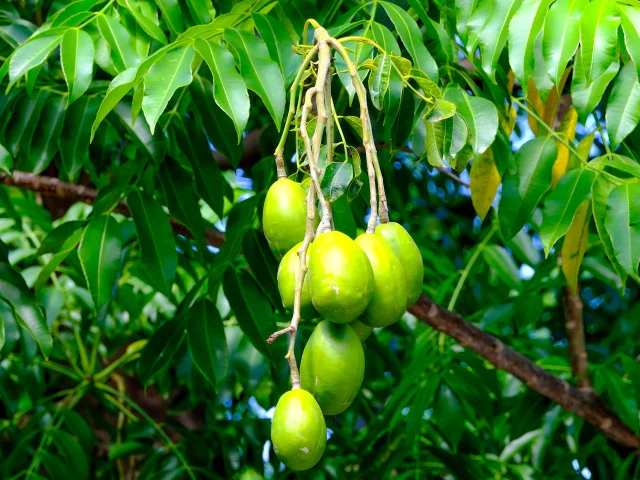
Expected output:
(355, 286)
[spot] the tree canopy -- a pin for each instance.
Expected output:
(138, 140)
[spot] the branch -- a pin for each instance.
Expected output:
(584, 403)
(56, 188)
(575, 336)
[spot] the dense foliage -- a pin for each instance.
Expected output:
(133, 334)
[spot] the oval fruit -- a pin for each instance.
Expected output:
(287, 281)
(340, 276)
(284, 215)
(298, 431)
(332, 366)
(363, 331)
(409, 255)
(389, 300)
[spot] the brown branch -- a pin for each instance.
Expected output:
(584, 403)
(575, 337)
(54, 187)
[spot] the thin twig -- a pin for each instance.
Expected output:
(576, 343)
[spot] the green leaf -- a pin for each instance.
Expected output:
(260, 73)
(619, 162)
(162, 346)
(443, 110)
(522, 190)
(202, 11)
(630, 19)
(151, 145)
(61, 242)
(15, 292)
(599, 38)
(181, 198)
(6, 161)
(524, 28)
(573, 188)
(383, 37)
(76, 133)
(45, 138)
(463, 12)
(335, 180)
(19, 133)
(623, 108)
(120, 43)
(263, 263)
(229, 89)
(148, 25)
(586, 98)
(575, 245)
(30, 55)
(76, 57)
(379, 80)
(252, 309)
(438, 141)
(171, 14)
(99, 255)
(280, 45)
(216, 124)
(623, 224)
(480, 116)
(118, 88)
(207, 342)
(503, 264)
(72, 453)
(561, 35)
(411, 37)
(159, 256)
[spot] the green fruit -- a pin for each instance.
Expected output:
(298, 431)
(287, 281)
(389, 300)
(284, 215)
(363, 331)
(340, 276)
(408, 253)
(332, 366)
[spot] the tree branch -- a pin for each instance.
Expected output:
(584, 403)
(54, 187)
(575, 337)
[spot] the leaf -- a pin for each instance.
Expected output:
(630, 19)
(598, 37)
(45, 138)
(167, 75)
(623, 108)
(159, 256)
(263, 263)
(120, 43)
(72, 453)
(280, 45)
(379, 80)
(207, 342)
(150, 27)
(586, 98)
(252, 309)
(161, 348)
(217, 125)
(485, 180)
(561, 35)
(480, 116)
(623, 224)
(392, 101)
(6, 161)
(503, 264)
(139, 133)
(99, 255)
(575, 244)
(260, 73)
(443, 110)
(561, 205)
(438, 141)
(229, 89)
(335, 180)
(619, 162)
(524, 28)
(30, 55)
(568, 129)
(76, 57)
(19, 132)
(118, 88)
(75, 134)
(600, 191)
(522, 190)
(171, 14)
(411, 37)
(383, 37)
(15, 292)
(181, 198)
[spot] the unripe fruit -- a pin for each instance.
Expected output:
(389, 300)
(409, 255)
(298, 431)
(284, 215)
(363, 331)
(332, 366)
(287, 281)
(340, 276)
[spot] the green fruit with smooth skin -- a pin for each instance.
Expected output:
(298, 431)
(287, 281)
(409, 255)
(363, 331)
(340, 276)
(389, 300)
(332, 366)
(284, 215)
